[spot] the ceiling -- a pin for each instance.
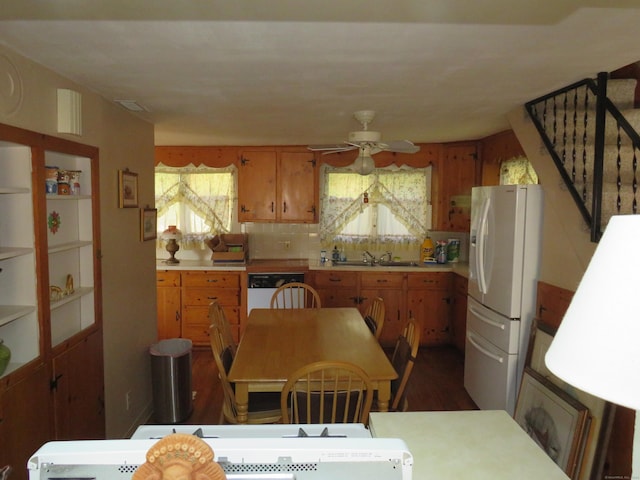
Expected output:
(292, 72)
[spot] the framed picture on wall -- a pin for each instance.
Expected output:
(148, 224)
(127, 189)
(556, 421)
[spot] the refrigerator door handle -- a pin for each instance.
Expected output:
(483, 350)
(478, 314)
(480, 248)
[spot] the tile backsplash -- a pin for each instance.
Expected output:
(302, 241)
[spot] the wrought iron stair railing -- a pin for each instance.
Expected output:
(594, 146)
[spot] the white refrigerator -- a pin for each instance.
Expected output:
(504, 258)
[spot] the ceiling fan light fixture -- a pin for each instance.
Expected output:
(364, 164)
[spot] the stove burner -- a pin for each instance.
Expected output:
(324, 433)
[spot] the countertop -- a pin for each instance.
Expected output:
(482, 445)
(300, 265)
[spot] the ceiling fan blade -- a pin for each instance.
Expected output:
(327, 149)
(400, 146)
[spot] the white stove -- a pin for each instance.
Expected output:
(275, 452)
(332, 430)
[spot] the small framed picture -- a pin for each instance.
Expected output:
(553, 419)
(127, 189)
(148, 224)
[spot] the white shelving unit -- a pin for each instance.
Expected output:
(18, 281)
(70, 252)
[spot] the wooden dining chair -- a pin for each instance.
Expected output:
(327, 392)
(218, 317)
(295, 295)
(374, 316)
(403, 359)
(263, 407)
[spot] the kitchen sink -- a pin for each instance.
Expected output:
(353, 263)
(356, 263)
(399, 263)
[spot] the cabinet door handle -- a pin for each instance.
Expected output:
(312, 209)
(284, 207)
(212, 298)
(177, 316)
(244, 209)
(272, 207)
(212, 280)
(53, 384)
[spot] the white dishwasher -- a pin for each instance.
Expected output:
(261, 287)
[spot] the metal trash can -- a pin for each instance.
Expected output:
(171, 379)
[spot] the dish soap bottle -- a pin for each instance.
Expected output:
(426, 250)
(335, 254)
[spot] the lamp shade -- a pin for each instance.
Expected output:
(597, 346)
(171, 233)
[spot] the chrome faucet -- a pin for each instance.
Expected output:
(386, 254)
(368, 254)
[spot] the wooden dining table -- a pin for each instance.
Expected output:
(276, 342)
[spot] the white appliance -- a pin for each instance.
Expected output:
(350, 430)
(247, 458)
(504, 258)
(262, 286)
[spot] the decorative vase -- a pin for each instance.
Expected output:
(5, 356)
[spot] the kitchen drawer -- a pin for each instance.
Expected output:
(198, 333)
(336, 279)
(195, 322)
(168, 278)
(204, 296)
(211, 279)
(381, 280)
(437, 280)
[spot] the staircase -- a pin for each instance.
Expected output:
(590, 130)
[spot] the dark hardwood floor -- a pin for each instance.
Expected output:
(435, 384)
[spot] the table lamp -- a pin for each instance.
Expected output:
(172, 235)
(597, 346)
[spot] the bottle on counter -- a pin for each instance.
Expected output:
(441, 251)
(335, 254)
(426, 250)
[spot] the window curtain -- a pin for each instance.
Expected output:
(198, 200)
(517, 171)
(387, 209)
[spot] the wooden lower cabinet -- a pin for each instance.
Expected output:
(429, 302)
(459, 312)
(425, 296)
(388, 286)
(25, 420)
(169, 304)
(79, 392)
(337, 289)
(199, 289)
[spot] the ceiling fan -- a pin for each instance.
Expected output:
(368, 142)
(367, 138)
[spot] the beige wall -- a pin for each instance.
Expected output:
(128, 274)
(566, 248)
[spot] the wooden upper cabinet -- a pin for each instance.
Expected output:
(458, 173)
(277, 186)
(257, 186)
(297, 183)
